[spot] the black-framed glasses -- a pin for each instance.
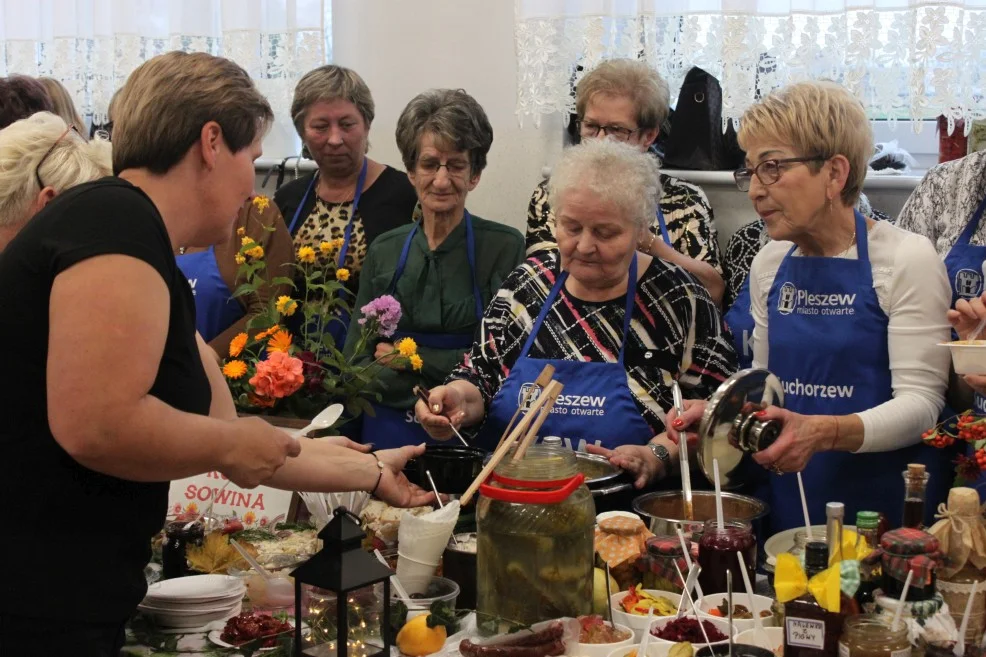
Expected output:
(37, 169)
(454, 168)
(591, 129)
(768, 171)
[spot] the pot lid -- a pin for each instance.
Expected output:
(728, 424)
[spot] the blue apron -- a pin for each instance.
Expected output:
(395, 427)
(338, 324)
(739, 321)
(215, 309)
(595, 407)
(828, 345)
(964, 265)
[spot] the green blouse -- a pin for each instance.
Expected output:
(436, 295)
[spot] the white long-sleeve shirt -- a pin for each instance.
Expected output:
(912, 289)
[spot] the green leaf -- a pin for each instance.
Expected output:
(283, 280)
(246, 288)
(442, 613)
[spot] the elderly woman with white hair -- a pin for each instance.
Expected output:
(618, 325)
(40, 157)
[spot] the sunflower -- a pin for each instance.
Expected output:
(407, 347)
(416, 362)
(306, 254)
(280, 341)
(342, 274)
(269, 332)
(239, 259)
(326, 248)
(256, 252)
(234, 369)
(236, 345)
(286, 305)
(261, 202)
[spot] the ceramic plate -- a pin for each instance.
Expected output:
(216, 637)
(784, 542)
(196, 589)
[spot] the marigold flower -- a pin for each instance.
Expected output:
(263, 335)
(326, 248)
(306, 254)
(234, 369)
(236, 345)
(407, 347)
(261, 202)
(239, 259)
(416, 362)
(256, 252)
(280, 341)
(342, 274)
(286, 305)
(277, 377)
(247, 241)
(241, 231)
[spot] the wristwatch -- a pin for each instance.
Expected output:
(663, 455)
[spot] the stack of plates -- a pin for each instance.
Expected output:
(193, 601)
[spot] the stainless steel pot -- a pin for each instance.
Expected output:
(664, 510)
(601, 476)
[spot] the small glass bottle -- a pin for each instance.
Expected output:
(835, 513)
(717, 554)
(915, 486)
(869, 636)
(867, 526)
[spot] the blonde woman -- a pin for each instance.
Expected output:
(40, 157)
(64, 105)
(847, 312)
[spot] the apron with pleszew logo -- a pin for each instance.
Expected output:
(395, 427)
(828, 345)
(595, 406)
(215, 309)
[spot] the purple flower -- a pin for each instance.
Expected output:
(385, 311)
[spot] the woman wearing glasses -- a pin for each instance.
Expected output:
(848, 312)
(627, 101)
(444, 268)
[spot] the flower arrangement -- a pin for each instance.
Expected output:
(270, 369)
(966, 427)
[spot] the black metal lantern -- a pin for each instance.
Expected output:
(343, 568)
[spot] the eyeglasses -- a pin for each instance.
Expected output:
(455, 168)
(37, 169)
(591, 129)
(769, 171)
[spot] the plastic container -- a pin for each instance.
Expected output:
(968, 356)
(534, 557)
(434, 588)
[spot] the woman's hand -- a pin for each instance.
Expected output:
(384, 354)
(638, 460)
(801, 437)
(966, 316)
(676, 426)
(260, 451)
(446, 407)
(394, 488)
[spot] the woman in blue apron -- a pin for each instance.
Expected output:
(448, 265)
(617, 325)
(212, 273)
(852, 339)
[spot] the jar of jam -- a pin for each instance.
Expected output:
(657, 564)
(908, 550)
(868, 636)
(177, 537)
(717, 551)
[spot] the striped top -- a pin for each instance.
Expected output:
(676, 332)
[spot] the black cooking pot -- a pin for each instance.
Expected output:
(453, 467)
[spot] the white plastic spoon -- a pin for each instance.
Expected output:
(323, 420)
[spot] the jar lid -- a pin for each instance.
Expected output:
(867, 520)
(666, 546)
(622, 525)
(907, 541)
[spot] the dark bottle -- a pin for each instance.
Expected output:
(177, 537)
(809, 629)
(915, 486)
(867, 526)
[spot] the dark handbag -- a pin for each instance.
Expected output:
(697, 140)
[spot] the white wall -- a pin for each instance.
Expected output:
(402, 47)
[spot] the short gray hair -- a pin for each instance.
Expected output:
(633, 79)
(615, 172)
(328, 83)
(72, 161)
(453, 117)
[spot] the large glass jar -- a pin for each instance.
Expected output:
(717, 554)
(869, 636)
(956, 589)
(534, 555)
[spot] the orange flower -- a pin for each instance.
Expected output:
(342, 274)
(236, 345)
(269, 332)
(416, 362)
(277, 377)
(249, 518)
(256, 252)
(192, 507)
(234, 369)
(280, 341)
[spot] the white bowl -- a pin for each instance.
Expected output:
(775, 638)
(968, 356)
(171, 619)
(604, 649)
(721, 625)
(713, 600)
(637, 623)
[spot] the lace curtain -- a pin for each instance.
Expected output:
(91, 46)
(904, 59)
